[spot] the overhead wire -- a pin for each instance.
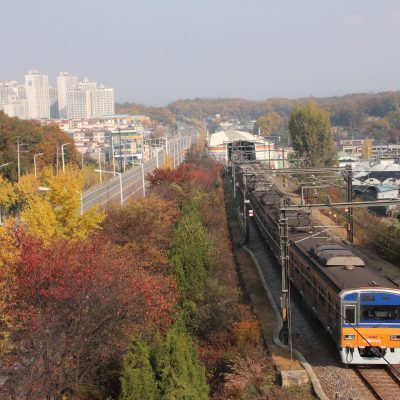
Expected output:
(374, 349)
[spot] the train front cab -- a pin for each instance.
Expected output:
(370, 326)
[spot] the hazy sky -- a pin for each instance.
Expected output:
(156, 51)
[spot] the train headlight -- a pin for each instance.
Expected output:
(395, 337)
(349, 337)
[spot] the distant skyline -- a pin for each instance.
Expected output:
(156, 51)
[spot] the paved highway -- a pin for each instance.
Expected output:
(132, 180)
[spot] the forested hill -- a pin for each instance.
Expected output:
(34, 139)
(348, 110)
(160, 114)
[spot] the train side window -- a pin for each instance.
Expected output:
(350, 314)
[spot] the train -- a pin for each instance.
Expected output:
(357, 305)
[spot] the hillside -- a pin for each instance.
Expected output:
(34, 139)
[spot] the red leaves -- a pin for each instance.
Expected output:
(76, 305)
(201, 177)
(148, 222)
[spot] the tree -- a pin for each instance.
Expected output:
(35, 139)
(181, 376)
(27, 188)
(190, 259)
(148, 220)
(9, 254)
(394, 119)
(266, 124)
(138, 381)
(56, 212)
(74, 306)
(311, 135)
(347, 114)
(7, 194)
(380, 106)
(366, 149)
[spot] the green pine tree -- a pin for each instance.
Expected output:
(190, 258)
(138, 381)
(180, 374)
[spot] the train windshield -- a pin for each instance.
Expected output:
(379, 313)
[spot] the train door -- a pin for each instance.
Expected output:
(332, 312)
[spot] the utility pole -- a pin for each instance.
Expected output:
(19, 144)
(234, 183)
(62, 155)
(283, 164)
(349, 190)
(284, 257)
(269, 154)
(120, 150)
(246, 202)
(34, 161)
(101, 179)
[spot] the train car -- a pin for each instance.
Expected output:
(357, 306)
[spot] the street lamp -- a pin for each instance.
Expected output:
(101, 180)
(62, 155)
(34, 161)
(18, 155)
(120, 181)
(143, 183)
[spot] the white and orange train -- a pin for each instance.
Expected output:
(356, 304)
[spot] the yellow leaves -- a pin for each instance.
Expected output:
(89, 222)
(40, 218)
(9, 254)
(27, 187)
(7, 194)
(167, 162)
(55, 212)
(366, 149)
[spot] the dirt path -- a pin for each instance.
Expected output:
(253, 287)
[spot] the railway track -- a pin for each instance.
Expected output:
(383, 382)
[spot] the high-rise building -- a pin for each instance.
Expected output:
(72, 99)
(78, 104)
(89, 100)
(10, 88)
(16, 107)
(102, 101)
(65, 83)
(53, 102)
(13, 99)
(37, 94)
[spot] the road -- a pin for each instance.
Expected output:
(132, 180)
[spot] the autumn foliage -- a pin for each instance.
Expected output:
(194, 177)
(143, 304)
(75, 306)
